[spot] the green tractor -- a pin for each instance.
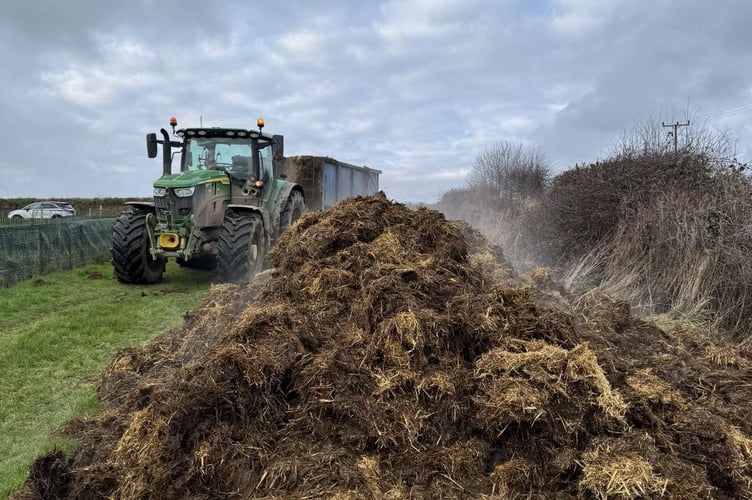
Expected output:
(224, 209)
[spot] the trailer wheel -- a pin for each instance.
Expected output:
(131, 259)
(294, 208)
(242, 247)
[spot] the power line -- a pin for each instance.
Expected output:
(731, 109)
(736, 113)
(736, 110)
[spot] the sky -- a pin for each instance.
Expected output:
(415, 88)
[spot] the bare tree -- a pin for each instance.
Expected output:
(510, 170)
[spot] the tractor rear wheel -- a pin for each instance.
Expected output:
(242, 247)
(294, 208)
(130, 250)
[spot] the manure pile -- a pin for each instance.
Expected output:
(381, 359)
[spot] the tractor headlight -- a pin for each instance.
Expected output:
(184, 192)
(159, 192)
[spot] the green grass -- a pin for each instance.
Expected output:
(56, 333)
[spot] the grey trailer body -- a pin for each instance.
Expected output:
(325, 181)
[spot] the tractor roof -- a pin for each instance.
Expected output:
(222, 132)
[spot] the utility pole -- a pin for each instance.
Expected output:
(676, 135)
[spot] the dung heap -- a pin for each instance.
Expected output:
(381, 359)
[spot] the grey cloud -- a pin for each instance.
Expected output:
(413, 87)
(673, 59)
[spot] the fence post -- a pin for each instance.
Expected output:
(39, 251)
(81, 244)
(70, 245)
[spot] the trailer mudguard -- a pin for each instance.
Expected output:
(282, 196)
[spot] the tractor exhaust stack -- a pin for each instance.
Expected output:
(166, 153)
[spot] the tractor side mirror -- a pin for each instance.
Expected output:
(151, 145)
(279, 146)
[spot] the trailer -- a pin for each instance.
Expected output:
(325, 181)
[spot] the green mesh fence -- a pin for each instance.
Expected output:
(38, 248)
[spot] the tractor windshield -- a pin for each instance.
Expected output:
(219, 153)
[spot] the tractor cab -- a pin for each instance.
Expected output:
(226, 150)
(240, 153)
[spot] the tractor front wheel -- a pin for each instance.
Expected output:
(130, 250)
(242, 247)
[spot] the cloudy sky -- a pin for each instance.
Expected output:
(415, 88)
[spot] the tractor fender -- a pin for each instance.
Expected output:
(253, 209)
(282, 196)
(145, 205)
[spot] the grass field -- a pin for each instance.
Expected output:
(56, 333)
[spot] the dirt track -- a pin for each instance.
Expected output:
(394, 354)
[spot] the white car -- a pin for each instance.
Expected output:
(43, 210)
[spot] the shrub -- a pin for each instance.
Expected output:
(585, 204)
(686, 253)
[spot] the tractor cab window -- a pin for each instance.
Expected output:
(219, 153)
(265, 163)
(194, 157)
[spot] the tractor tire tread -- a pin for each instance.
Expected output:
(238, 230)
(130, 258)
